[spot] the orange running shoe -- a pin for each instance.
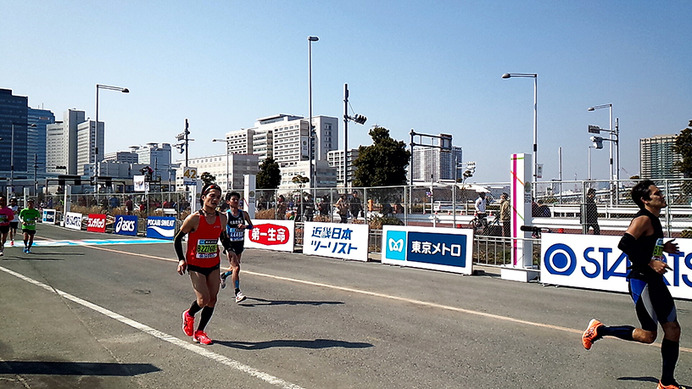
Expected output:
(188, 323)
(673, 386)
(201, 337)
(589, 336)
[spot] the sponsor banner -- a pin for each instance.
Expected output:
(125, 225)
(445, 249)
(345, 241)
(160, 227)
(271, 234)
(73, 220)
(96, 222)
(595, 262)
(48, 216)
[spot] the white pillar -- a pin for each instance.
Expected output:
(249, 195)
(520, 200)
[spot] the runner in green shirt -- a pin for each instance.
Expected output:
(29, 216)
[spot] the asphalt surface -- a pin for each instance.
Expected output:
(109, 316)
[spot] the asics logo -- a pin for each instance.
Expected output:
(125, 225)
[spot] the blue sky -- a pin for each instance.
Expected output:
(433, 67)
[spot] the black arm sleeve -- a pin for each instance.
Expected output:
(178, 243)
(225, 241)
(628, 245)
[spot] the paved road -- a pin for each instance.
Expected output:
(108, 316)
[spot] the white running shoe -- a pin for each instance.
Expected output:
(239, 297)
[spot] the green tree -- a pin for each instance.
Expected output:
(383, 163)
(207, 178)
(683, 146)
(269, 175)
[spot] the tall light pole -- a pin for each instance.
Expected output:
(96, 133)
(614, 174)
(228, 183)
(360, 119)
(310, 130)
(10, 190)
(535, 119)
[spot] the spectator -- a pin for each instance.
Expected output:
(342, 207)
(356, 206)
(543, 210)
(505, 215)
(591, 211)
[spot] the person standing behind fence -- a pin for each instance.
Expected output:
(643, 244)
(356, 206)
(281, 208)
(342, 208)
(591, 211)
(505, 215)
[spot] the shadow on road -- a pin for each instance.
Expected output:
(308, 344)
(248, 302)
(76, 368)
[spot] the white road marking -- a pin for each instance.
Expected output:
(386, 296)
(161, 335)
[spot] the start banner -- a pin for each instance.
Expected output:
(595, 262)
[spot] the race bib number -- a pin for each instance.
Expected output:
(207, 248)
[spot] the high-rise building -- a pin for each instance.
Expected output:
(86, 137)
(61, 144)
(434, 164)
(36, 138)
(158, 157)
(657, 158)
(13, 114)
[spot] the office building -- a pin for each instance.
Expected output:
(61, 144)
(36, 138)
(228, 169)
(13, 114)
(657, 159)
(434, 165)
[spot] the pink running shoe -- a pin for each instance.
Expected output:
(188, 323)
(201, 337)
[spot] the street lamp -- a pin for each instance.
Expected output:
(535, 118)
(228, 183)
(310, 131)
(616, 173)
(11, 188)
(96, 133)
(360, 119)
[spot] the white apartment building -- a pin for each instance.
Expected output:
(229, 169)
(325, 175)
(86, 138)
(61, 143)
(335, 158)
(240, 142)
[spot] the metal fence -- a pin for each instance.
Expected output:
(593, 207)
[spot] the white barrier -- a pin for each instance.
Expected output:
(445, 249)
(276, 235)
(595, 262)
(337, 240)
